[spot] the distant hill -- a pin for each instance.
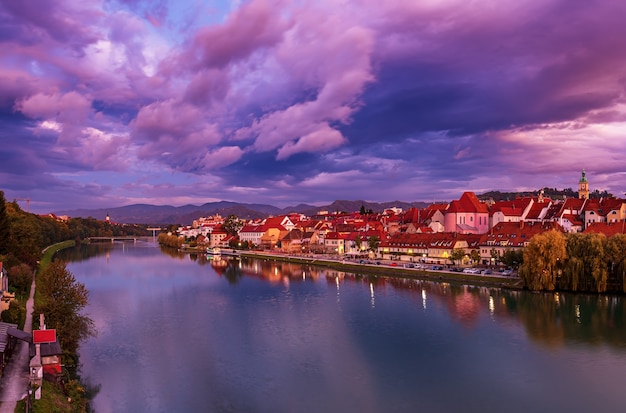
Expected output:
(552, 193)
(184, 215)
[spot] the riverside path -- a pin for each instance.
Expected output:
(14, 382)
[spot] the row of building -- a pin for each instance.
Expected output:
(423, 234)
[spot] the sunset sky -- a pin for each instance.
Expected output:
(111, 103)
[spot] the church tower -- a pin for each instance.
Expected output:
(583, 187)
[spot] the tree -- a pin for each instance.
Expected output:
(362, 211)
(373, 243)
(586, 266)
(616, 258)
(232, 225)
(475, 256)
(456, 255)
(20, 278)
(512, 258)
(5, 229)
(542, 258)
(62, 299)
(495, 255)
(14, 313)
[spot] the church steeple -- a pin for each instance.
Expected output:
(583, 186)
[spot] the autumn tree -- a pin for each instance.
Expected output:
(61, 300)
(20, 279)
(615, 251)
(585, 268)
(542, 259)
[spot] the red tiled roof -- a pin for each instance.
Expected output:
(607, 228)
(468, 202)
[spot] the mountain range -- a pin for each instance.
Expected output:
(184, 215)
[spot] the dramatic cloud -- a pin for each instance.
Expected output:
(287, 101)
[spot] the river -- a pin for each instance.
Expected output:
(186, 333)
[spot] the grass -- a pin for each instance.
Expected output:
(49, 252)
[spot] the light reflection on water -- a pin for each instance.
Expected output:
(181, 333)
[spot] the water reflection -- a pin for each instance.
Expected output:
(550, 319)
(184, 332)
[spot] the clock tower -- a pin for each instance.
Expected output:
(583, 187)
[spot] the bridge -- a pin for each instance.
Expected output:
(120, 238)
(154, 230)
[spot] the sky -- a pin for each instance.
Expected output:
(111, 103)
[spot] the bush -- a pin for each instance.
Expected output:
(15, 313)
(20, 278)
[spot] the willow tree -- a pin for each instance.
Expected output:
(586, 268)
(542, 260)
(616, 258)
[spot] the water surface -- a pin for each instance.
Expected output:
(180, 333)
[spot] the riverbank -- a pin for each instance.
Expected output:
(391, 269)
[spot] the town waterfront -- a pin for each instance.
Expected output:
(181, 332)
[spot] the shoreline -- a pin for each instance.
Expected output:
(386, 270)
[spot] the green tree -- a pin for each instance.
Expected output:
(14, 314)
(456, 255)
(232, 225)
(495, 256)
(362, 211)
(616, 258)
(475, 256)
(512, 258)
(5, 229)
(61, 300)
(373, 242)
(542, 258)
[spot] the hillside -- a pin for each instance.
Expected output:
(184, 215)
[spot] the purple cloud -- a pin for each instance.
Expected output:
(308, 101)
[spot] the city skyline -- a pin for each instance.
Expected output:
(112, 103)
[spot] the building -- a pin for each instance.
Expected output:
(583, 187)
(467, 215)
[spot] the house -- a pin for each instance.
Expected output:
(603, 210)
(335, 242)
(217, 236)
(607, 228)
(467, 215)
(511, 235)
(7, 342)
(251, 233)
(45, 345)
(510, 211)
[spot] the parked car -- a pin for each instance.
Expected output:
(486, 272)
(507, 272)
(409, 266)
